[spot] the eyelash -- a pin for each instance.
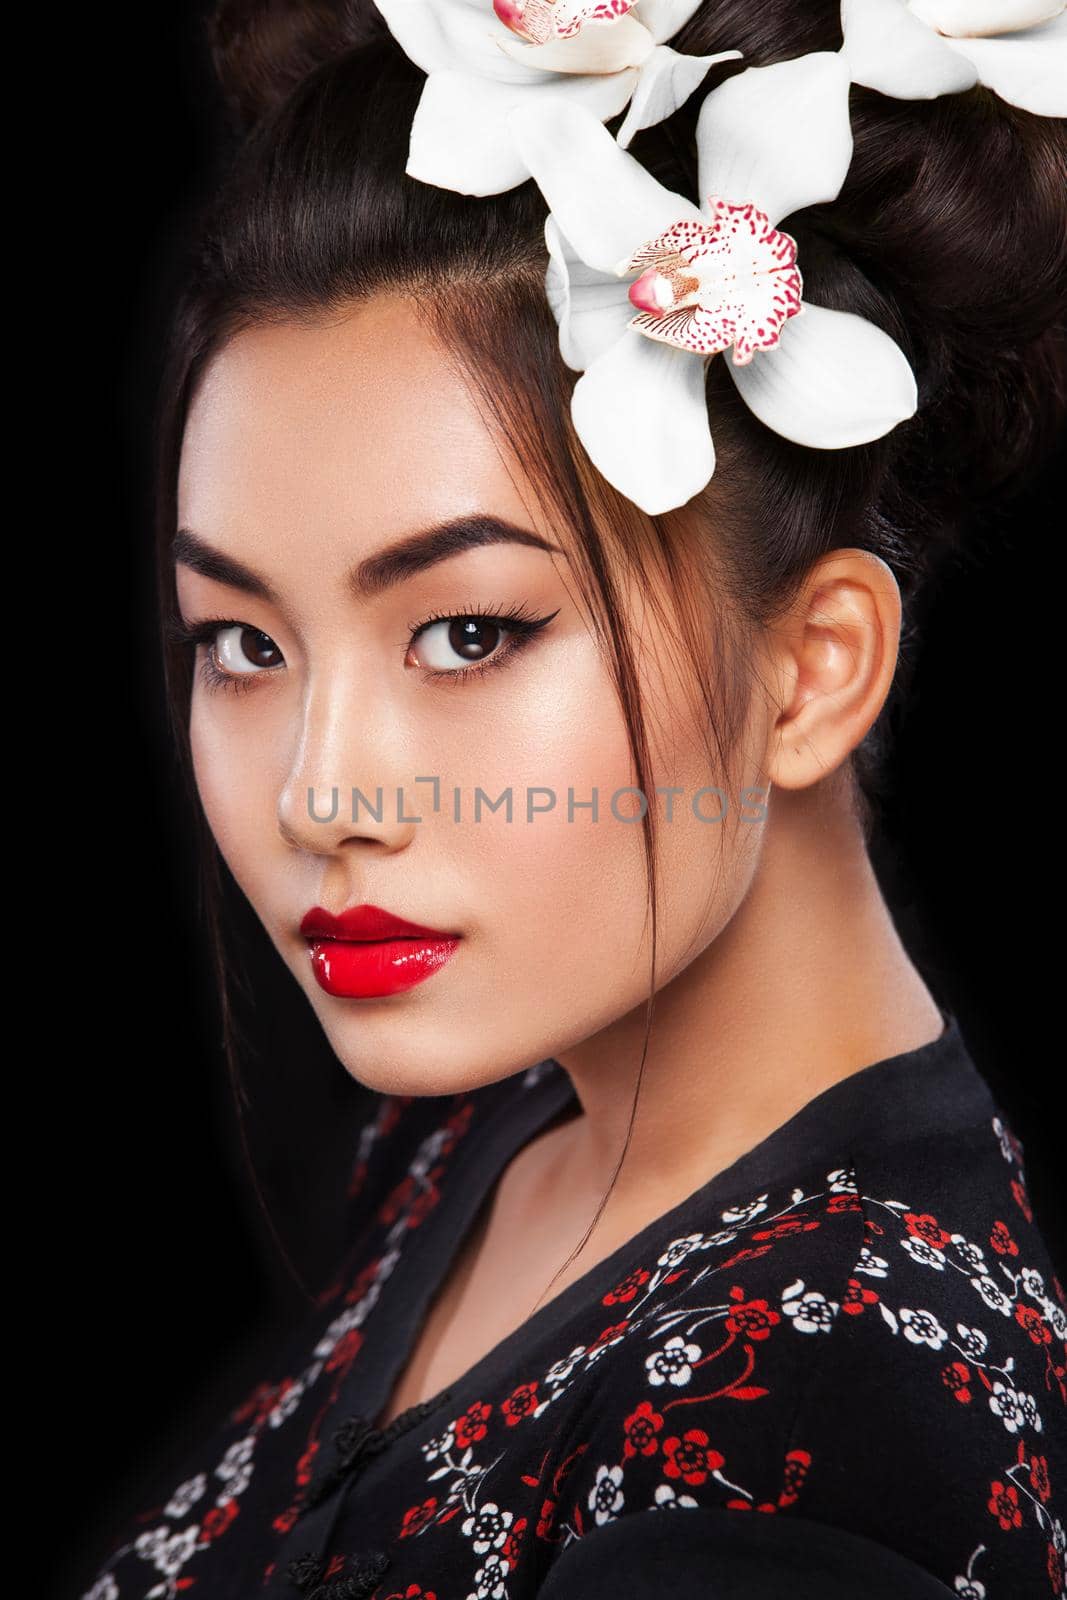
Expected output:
(522, 624)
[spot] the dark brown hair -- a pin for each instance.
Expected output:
(948, 234)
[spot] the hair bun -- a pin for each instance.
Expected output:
(261, 49)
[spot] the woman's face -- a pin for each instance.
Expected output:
(350, 647)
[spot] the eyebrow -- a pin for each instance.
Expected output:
(375, 573)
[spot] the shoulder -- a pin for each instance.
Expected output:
(878, 1348)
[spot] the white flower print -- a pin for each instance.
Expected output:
(434, 1449)
(993, 1295)
(969, 1589)
(186, 1495)
(106, 1589)
(812, 1312)
(922, 1327)
(874, 1266)
(235, 1469)
(970, 1254)
(286, 1404)
(1005, 1142)
(842, 1180)
(1059, 1537)
(678, 1249)
(928, 1255)
(747, 1212)
(488, 1528)
(1014, 1409)
(606, 1497)
(667, 1497)
(561, 1370)
(973, 1341)
(169, 1554)
(1057, 1317)
(490, 1578)
(1033, 1283)
(674, 1363)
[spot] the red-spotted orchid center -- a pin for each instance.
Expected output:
(540, 21)
(730, 280)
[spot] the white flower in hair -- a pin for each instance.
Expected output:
(919, 49)
(482, 62)
(769, 141)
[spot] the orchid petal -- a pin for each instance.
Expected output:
(976, 19)
(779, 136)
(889, 49)
(592, 308)
(460, 134)
(454, 36)
(1029, 71)
(665, 82)
(603, 48)
(663, 18)
(641, 413)
(605, 202)
(833, 380)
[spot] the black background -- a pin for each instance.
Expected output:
(162, 1283)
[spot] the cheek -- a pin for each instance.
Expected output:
(234, 788)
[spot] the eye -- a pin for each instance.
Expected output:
(465, 644)
(240, 650)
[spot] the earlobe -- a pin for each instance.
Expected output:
(836, 653)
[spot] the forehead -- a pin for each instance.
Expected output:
(361, 416)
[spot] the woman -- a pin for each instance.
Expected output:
(812, 1286)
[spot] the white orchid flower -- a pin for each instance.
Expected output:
(769, 141)
(601, 56)
(919, 49)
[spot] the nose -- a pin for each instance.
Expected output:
(346, 782)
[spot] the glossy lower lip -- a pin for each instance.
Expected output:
(369, 969)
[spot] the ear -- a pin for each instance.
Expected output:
(833, 656)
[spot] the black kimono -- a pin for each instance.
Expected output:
(837, 1369)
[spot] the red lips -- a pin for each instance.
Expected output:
(364, 953)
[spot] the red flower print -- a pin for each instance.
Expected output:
(426, 1200)
(303, 1466)
(754, 1319)
(285, 1521)
(1022, 1199)
(924, 1226)
(1055, 1569)
(1004, 1504)
(749, 1505)
(362, 1282)
(1039, 1478)
(520, 1403)
(842, 1202)
(1002, 1241)
(459, 1122)
(786, 1226)
(797, 1463)
(345, 1350)
(414, 1591)
(395, 1200)
(691, 1457)
(416, 1517)
(857, 1298)
(608, 1335)
(335, 1566)
(641, 1428)
(1034, 1323)
(956, 1376)
(259, 1402)
(745, 1255)
(513, 1544)
(627, 1289)
(471, 1426)
(217, 1521)
(546, 1519)
(357, 1178)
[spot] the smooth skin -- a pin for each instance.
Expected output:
(312, 447)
